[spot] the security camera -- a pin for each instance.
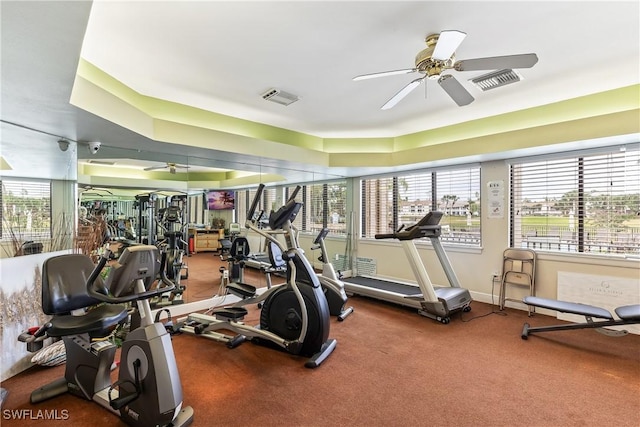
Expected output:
(63, 144)
(94, 146)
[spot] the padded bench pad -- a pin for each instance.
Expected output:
(569, 307)
(629, 312)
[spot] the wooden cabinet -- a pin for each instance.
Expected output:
(206, 240)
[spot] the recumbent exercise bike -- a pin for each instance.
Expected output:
(148, 391)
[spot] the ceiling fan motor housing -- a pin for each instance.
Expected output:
(425, 64)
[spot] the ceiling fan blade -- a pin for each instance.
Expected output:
(448, 42)
(455, 90)
(402, 93)
(525, 60)
(384, 74)
(153, 168)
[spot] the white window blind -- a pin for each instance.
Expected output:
(583, 203)
(336, 207)
(377, 209)
(458, 197)
(26, 210)
(415, 197)
(316, 199)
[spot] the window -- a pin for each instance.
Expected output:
(388, 203)
(324, 205)
(378, 197)
(26, 210)
(580, 203)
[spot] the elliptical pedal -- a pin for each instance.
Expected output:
(231, 314)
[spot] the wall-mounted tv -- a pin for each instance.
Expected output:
(216, 200)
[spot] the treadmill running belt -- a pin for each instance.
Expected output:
(385, 285)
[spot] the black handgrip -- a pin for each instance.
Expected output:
(385, 236)
(294, 194)
(254, 203)
(94, 274)
(42, 330)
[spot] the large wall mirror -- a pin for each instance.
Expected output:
(132, 191)
(62, 195)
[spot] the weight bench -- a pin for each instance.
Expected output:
(628, 315)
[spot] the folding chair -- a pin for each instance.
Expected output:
(518, 269)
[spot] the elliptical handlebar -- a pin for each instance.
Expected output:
(254, 203)
(294, 194)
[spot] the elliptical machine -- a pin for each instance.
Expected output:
(148, 391)
(294, 316)
(170, 219)
(331, 283)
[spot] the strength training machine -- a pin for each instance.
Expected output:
(628, 315)
(431, 301)
(294, 316)
(148, 391)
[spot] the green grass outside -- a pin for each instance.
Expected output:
(460, 222)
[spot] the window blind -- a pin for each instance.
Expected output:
(388, 203)
(26, 210)
(579, 203)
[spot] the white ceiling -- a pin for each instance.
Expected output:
(221, 56)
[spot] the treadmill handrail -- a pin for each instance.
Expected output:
(428, 226)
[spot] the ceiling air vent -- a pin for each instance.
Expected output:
(279, 97)
(496, 79)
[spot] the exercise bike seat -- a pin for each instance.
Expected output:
(568, 307)
(64, 290)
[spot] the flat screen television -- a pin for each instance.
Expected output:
(216, 200)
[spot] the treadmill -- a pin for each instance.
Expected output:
(435, 302)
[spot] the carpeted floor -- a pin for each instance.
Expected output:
(391, 367)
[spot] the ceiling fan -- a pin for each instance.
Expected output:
(171, 166)
(438, 57)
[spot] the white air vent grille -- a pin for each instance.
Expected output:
(280, 97)
(496, 79)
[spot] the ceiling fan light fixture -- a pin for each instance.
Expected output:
(496, 79)
(280, 97)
